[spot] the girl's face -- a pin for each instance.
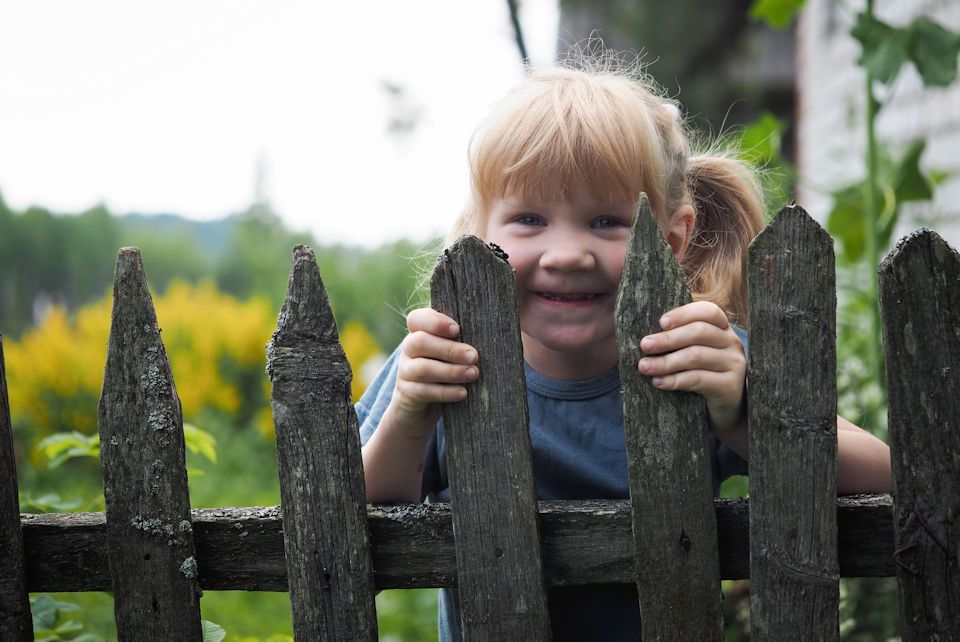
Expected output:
(568, 256)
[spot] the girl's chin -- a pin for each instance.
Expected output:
(575, 348)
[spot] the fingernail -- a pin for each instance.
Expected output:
(658, 381)
(645, 365)
(665, 321)
(472, 373)
(470, 356)
(646, 345)
(454, 330)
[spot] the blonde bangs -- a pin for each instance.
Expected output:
(558, 132)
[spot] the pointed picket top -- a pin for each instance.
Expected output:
(674, 526)
(792, 402)
(920, 310)
(492, 487)
(152, 553)
(326, 541)
(306, 316)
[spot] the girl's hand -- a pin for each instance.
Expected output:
(699, 352)
(432, 370)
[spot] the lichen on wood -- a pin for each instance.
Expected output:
(144, 471)
(329, 569)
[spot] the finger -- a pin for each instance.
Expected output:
(428, 393)
(423, 345)
(712, 385)
(696, 357)
(433, 322)
(432, 371)
(697, 311)
(695, 333)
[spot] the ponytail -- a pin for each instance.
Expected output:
(730, 213)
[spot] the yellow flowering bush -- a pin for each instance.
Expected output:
(359, 346)
(215, 344)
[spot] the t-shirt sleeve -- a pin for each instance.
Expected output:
(727, 463)
(373, 404)
(375, 399)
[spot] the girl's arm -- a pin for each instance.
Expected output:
(704, 355)
(863, 461)
(431, 371)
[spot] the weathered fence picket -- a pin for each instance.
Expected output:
(325, 534)
(492, 491)
(15, 621)
(794, 572)
(921, 337)
(674, 529)
(152, 556)
(332, 552)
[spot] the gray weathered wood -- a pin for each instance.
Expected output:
(583, 542)
(793, 431)
(674, 529)
(15, 621)
(492, 487)
(321, 474)
(152, 555)
(920, 306)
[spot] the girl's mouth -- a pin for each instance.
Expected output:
(567, 297)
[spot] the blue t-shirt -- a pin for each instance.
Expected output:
(579, 452)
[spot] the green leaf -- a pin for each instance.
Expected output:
(68, 626)
(735, 486)
(934, 50)
(846, 222)
(62, 446)
(760, 141)
(200, 441)
(909, 183)
(43, 608)
(212, 632)
(48, 503)
(885, 48)
(777, 13)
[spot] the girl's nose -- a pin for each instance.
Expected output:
(567, 257)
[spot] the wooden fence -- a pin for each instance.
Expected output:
(793, 538)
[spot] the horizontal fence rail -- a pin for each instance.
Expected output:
(583, 542)
(332, 551)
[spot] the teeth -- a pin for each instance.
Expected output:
(568, 297)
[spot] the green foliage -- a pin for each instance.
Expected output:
(761, 144)
(898, 181)
(932, 49)
(212, 632)
(47, 503)
(407, 614)
(49, 623)
(62, 446)
(735, 486)
(777, 13)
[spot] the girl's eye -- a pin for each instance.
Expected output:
(529, 219)
(607, 222)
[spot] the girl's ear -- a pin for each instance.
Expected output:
(680, 229)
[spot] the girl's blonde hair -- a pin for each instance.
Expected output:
(608, 128)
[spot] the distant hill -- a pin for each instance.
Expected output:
(211, 236)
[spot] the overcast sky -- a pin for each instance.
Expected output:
(171, 107)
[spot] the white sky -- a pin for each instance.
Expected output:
(167, 107)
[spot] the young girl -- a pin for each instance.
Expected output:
(557, 171)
